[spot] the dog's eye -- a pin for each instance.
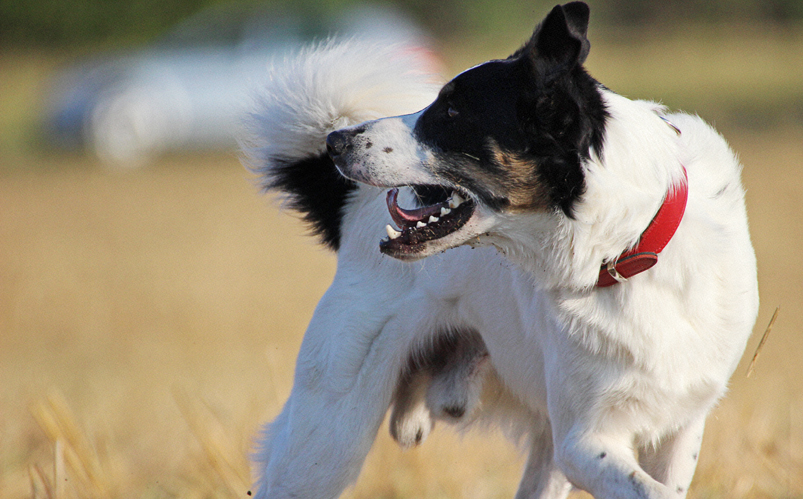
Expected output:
(451, 112)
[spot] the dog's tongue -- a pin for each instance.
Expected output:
(408, 218)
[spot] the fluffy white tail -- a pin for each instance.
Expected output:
(324, 87)
(332, 85)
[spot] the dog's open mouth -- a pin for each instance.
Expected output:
(418, 226)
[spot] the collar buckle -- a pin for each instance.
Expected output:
(611, 268)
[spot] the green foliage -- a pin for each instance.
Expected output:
(660, 12)
(77, 22)
(60, 22)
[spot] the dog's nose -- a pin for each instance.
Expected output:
(336, 143)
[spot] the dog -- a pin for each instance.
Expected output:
(521, 247)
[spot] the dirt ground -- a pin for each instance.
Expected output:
(149, 322)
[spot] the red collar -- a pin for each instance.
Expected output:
(652, 241)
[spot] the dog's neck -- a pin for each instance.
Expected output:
(652, 241)
(625, 186)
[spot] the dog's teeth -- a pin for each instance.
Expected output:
(445, 211)
(392, 233)
(456, 200)
(420, 224)
(432, 219)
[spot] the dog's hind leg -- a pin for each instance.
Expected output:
(443, 380)
(457, 382)
(542, 479)
(411, 420)
(673, 460)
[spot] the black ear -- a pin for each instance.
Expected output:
(577, 14)
(559, 43)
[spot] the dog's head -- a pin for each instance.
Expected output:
(503, 138)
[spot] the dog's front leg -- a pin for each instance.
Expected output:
(605, 466)
(542, 479)
(673, 460)
(345, 373)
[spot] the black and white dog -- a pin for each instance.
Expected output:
(569, 264)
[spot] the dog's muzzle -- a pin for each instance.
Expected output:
(340, 143)
(336, 143)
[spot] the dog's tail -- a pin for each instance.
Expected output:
(324, 87)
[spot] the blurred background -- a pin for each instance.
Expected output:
(152, 301)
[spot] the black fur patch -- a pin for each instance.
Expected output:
(316, 190)
(427, 195)
(445, 347)
(539, 106)
(456, 412)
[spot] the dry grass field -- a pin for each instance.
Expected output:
(149, 322)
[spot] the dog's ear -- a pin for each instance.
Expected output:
(577, 14)
(559, 43)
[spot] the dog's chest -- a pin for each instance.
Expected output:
(640, 362)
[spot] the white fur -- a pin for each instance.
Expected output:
(329, 86)
(395, 165)
(608, 389)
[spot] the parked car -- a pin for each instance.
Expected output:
(190, 90)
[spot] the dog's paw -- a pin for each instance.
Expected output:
(411, 420)
(448, 401)
(455, 392)
(412, 426)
